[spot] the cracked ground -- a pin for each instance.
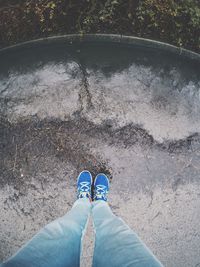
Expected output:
(129, 112)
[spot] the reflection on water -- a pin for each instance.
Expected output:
(163, 100)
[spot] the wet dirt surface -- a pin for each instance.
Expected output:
(129, 112)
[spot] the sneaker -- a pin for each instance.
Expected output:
(101, 187)
(84, 183)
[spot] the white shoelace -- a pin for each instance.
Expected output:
(84, 186)
(100, 189)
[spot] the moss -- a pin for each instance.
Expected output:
(173, 21)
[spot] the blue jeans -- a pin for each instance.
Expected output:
(58, 244)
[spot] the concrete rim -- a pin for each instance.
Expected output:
(109, 38)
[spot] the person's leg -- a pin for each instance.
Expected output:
(116, 244)
(58, 244)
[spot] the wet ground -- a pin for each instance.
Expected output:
(129, 112)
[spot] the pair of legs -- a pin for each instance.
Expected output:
(58, 244)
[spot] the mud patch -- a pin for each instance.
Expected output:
(27, 145)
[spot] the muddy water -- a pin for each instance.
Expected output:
(130, 112)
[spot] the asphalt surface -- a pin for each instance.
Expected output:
(129, 112)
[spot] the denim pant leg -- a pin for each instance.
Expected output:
(116, 244)
(58, 244)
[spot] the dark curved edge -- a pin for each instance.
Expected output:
(109, 38)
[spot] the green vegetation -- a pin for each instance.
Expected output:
(173, 21)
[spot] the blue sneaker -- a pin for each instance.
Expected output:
(101, 187)
(84, 183)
